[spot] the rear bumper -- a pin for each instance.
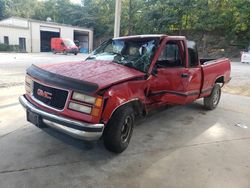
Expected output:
(74, 128)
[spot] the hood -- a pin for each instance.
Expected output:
(102, 73)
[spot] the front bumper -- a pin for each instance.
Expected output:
(74, 128)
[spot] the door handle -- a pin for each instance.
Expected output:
(184, 75)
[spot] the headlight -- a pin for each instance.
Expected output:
(28, 80)
(80, 108)
(28, 84)
(83, 98)
(28, 89)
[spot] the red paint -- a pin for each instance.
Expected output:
(120, 84)
(103, 73)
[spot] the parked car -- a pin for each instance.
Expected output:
(64, 46)
(245, 56)
(123, 78)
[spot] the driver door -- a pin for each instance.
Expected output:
(172, 83)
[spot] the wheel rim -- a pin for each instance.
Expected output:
(216, 97)
(126, 129)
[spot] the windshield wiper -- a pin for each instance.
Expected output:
(118, 62)
(90, 57)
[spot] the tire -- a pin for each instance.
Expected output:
(65, 52)
(119, 130)
(213, 99)
(53, 51)
(75, 53)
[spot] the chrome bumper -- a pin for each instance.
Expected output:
(74, 128)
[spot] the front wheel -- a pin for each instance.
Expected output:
(119, 130)
(213, 99)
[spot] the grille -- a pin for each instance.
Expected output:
(56, 98)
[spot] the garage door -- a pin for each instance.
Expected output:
(46, 33)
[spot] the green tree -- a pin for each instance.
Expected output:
(2, 9)
(21, 8)
(229, 20)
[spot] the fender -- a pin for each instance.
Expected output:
(122, 94)
(208, 91)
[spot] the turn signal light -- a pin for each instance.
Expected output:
(95, 112)
(98, 102)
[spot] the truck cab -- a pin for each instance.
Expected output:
(123, 78)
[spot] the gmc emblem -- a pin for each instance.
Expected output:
(44, 94)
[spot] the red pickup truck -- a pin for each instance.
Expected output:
(123, 78)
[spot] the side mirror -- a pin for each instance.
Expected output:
(154, 71)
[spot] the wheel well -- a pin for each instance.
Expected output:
(136, 105)
(220, 80)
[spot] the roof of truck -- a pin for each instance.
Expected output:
(151, 36)
(142, 36)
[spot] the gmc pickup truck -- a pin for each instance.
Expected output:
(123, 78)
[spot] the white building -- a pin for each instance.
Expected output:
(34, 35)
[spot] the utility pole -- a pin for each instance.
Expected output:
(117, 18)
(129, 18)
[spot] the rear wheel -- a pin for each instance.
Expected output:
(75, 53)
(213, 99)
(119, 130)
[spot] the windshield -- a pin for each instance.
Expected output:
(136, 53)
(68, 43)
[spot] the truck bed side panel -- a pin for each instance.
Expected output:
(212, 70)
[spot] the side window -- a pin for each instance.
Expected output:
(171, 55)
(192, 54)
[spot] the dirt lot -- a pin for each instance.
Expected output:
(181, 146)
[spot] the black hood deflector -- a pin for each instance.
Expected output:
(61, 81)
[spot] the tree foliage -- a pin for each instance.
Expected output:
(229, 19)
(2, 6)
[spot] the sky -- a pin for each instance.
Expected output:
(76, 1)
(72, 1)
